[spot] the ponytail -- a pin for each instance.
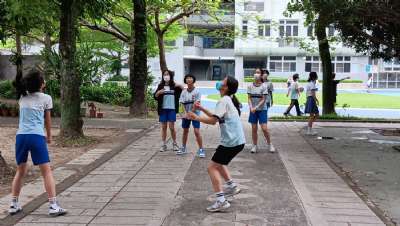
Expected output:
(19, 85)
(236, 103)
(233, 86)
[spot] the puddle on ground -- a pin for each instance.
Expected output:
(384, 141)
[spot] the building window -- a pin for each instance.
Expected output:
(340, 64)
(392, 65)
(343, 64)
(288, 28)
(250, 64)
(244, 28)
(264, 28)
(282, 63)
(254, 6)
(313, 64)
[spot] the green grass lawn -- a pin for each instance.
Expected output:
(353, 100)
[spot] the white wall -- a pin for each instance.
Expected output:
(175, 62)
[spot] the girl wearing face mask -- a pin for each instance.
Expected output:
(227, 114)
(167, 96)
(257, 95)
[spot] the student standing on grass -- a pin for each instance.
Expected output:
(188, 97)
(294, 92)
(336, 82)
(257, 93)
(369, 83)
(167, 96)
(227, 113)
(312, 102)
(35, 108)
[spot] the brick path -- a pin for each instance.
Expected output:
(140, 186)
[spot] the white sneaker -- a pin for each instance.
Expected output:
(175, 147)
(163, 148)
(272, 148)
(55, 210)
(14, 208)
(219, 206)
(253, 149)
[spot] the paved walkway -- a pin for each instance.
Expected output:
(141, 186)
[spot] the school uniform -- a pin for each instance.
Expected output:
(231, 129)
(187, 99)
(256, 93)
(30, 135)
(311, 104)
(294, 98)
(168, 103)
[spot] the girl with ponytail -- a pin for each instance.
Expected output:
(34, 117)
(227, 114)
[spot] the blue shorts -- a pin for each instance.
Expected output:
(259, 117)
(35, 144)
(186, 124)
(167, 115)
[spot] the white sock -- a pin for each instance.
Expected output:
(231, 184)
(53, 202)
(220, 196)
(14, 200)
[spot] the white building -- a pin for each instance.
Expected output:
(265, 38)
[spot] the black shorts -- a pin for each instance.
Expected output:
(224, 155)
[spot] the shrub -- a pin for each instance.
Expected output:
(7, 90)
(108, 93)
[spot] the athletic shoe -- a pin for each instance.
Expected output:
(272, 148)
(55, 210)
(175, 147)
(182, 151)
(253, 149)
(231, 191)
(201, 153)
(14, 208)
(219, 206)
(163, 148)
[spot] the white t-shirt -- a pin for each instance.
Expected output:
(231, 128)
(294, 95)
(256, 93)
(31, 113)
(311, 86)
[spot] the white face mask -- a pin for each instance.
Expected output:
(257, 76)
(167, 78)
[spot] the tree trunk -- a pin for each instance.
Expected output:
(19, 57)
(71, 121)
(161, 51)
(328, 91)
(138, 76)
(47, 48)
